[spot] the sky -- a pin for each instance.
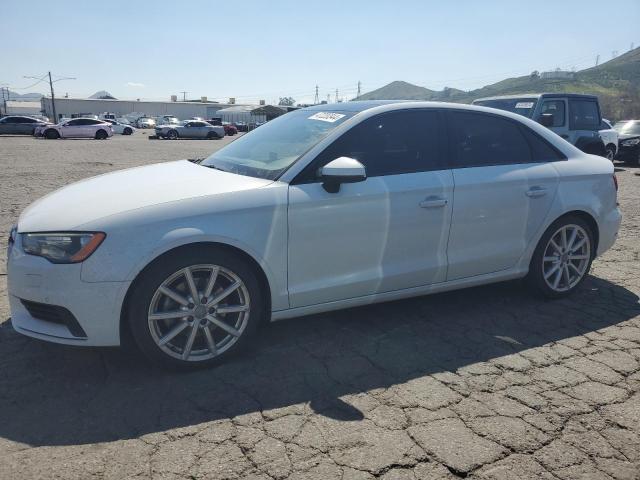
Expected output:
(255, 50)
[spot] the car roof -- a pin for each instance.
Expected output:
(356, 106)
(538, 95)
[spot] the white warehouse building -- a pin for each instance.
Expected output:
(75, 107)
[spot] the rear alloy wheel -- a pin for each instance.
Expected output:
(172, 135)
(101, 135)
(212, 136)
(206, 307)
(563, 257)
(127, 131)
(51, 134)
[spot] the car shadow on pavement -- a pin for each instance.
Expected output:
(56, 395)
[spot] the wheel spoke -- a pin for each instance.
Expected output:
(227, 328)
(210, 342)
(555, 246)
(168, 315)
(211, 283)
(175, 296)
(232, 309)
(565, 275)
(192, 336)
(556, 280)
(579, 244)
(578, 257)
(551, 259)
(564, 238)
(188, 275)
(172, 333)
(225, 293)
(572, 239)
(571, 265)
(552, 271)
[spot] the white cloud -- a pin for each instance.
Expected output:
(135, 84)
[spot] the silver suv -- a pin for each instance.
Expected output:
(575, 117)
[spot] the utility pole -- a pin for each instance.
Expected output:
(184, 96)
(328, 98)
(316, 99)
(597, 59)
(359, 85)
(53, 98)
(4, 100)
(336, 95)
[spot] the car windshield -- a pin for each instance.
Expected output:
(268, 151)
(628, 127)
(523, 106)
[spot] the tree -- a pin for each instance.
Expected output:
(287, 101)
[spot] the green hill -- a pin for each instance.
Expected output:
(616, 82)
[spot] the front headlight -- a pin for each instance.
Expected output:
(629, 143)
(62, 247)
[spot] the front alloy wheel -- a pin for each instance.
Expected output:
(199, 312)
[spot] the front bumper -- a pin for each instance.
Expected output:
(629, 153)
(96, 307)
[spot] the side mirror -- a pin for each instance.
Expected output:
(342, 170)
(546, 119)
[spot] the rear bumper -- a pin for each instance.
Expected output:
(609, 227)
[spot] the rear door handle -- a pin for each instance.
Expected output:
(433, 201)
(534, 192)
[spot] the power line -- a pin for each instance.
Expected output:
(53, 97)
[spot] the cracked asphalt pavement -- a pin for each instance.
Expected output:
(484, 383)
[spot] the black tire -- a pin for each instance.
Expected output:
(213, 136)
(610, 151)
(145, 286)
(172, 135)
(127, 131)
(51, 134)
(101, 135)
(535, 277)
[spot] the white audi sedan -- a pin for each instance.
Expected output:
(324, 208)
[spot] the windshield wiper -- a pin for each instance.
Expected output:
(195, 160)
(214, 167)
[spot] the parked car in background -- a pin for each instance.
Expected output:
(629, 140)
(76, 128)
(229, 129)
(189, 129)
(167, 120)
(107, 116)
(609, 138)
(145, 122)
(374, 201)
(241, 126)
(575, 117)
(121, 128)
(19, 125)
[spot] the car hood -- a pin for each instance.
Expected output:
(627, 136)
(125, 190)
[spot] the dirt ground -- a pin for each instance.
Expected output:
(488, 382)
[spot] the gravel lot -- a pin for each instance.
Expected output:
(488, 382)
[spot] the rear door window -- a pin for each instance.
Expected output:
(557, 109)
(583, 114)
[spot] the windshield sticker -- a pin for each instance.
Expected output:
(326, 116)
(524, 105)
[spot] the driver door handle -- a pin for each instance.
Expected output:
(433, 201)
(535, 192)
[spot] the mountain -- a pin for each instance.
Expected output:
(616, 82)
(27, 97)
(103, 95)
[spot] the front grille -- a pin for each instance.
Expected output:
(54, 314)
